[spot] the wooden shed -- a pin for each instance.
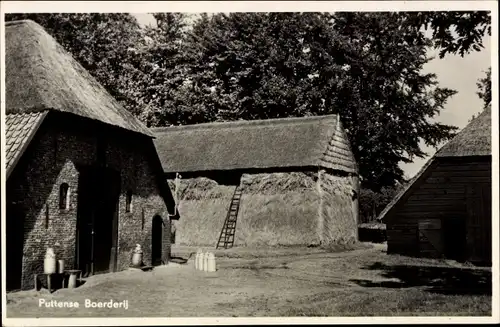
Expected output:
(445, 211)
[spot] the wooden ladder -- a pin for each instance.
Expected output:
(226, 237)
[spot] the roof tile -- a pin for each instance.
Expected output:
(20, 128)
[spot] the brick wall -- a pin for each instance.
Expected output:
(60, 147)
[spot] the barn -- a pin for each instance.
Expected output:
(83, 176)
(289, 181)
(445, 211)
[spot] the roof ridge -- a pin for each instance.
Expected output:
(61, 83)
(19, 21)
(330, 138)
(256, 122)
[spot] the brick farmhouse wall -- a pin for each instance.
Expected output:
(53, 158)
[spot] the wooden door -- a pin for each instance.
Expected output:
(454, 237)
(157, 241)
(479, 223)
(430, 238)
(15, 244)
(106, 217)
(84, 246)
(97, 231)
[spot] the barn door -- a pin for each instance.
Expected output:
(454, 237)
(15, 244)
(430, 238)
(479, 223)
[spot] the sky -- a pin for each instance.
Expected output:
(454, 72)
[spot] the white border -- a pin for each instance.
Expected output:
(242, 6)
(253, 6)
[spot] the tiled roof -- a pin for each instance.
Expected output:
(20, 129)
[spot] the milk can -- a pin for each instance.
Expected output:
(197, 259)
(60, 266)
(200, 261)
(211, 262)
(205, 261)
(49, 263)
(137, 256)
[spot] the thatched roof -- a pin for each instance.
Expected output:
(41, 75)
(274, 143)
(405, 192)
(473, 140)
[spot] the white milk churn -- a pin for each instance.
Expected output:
(205, 261)
(49, 263)
(211, 262)
(137, 256)
(201, 261)
(197, 260)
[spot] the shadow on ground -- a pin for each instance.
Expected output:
(442, 280)
(179, 260)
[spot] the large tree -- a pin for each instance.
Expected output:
(484, 88)
(366, 67)
(453, 32)
(363, 66)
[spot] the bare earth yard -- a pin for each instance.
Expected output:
(278, 282)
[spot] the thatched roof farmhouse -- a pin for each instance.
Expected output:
(297, 178)
(81, 170)
(445, 211)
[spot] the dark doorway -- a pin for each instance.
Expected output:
(454, 237)
(156, 240)
(97, 230)
(15, 244)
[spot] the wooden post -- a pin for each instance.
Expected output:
(321, 218)
(355, 202)
(49, 282)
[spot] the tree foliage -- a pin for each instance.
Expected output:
(454, 32)
(366, 67)
(362, 66)
(484, 88)
(372, 203)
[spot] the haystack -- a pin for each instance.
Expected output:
(298, 177)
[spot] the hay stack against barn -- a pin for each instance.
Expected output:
(298, 179)
(445, 211)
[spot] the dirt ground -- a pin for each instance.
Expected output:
(277, 282)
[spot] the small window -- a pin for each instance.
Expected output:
(47, 216)
(64, 193)
(128, 203)
(143, 219)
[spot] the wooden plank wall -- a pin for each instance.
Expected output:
(443, 195)
(479, 233)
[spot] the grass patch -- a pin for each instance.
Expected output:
(411, 302)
